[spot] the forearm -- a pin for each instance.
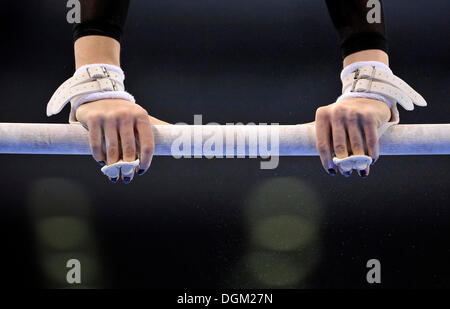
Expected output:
(356, 32)
(96, 49)
(97, 37)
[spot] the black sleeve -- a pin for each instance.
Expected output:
(102, 17)
(356, 33)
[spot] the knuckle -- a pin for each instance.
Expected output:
(113, 147)
(357, 145)
(352, 119)
(94, 117)
(320, 110)
(142, 117)
(95, 148)
(369, 119)
(124, 115)
(321, 113)
(354, 115)
(323, 152)
(129, 149)
(339, 110)
(118, 113)
(372, 141)
(139, 110)
(147, 150)
(322, 146)
(340, 148)
(110, 116)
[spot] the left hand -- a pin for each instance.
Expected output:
(349, 127)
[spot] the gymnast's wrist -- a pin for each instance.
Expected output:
(367, 55)
(96, 49)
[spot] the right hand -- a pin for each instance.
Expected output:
(116, 127)
(349, 127)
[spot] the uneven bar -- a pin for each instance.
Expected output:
(293, 140)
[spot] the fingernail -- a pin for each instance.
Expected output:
(347, 174)
(141, 172)
(126, 180)
(332, 171)
(363, 174)
(102, 163)
(114, 180)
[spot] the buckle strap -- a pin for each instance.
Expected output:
(373, 74)
(97, 72)
(384, 89)
(90, 80)
(374, 80)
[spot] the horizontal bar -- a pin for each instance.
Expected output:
(293, 140)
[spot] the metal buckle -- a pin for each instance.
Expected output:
(355, 80)
(107, 84)
(372, 76)
(114, 84)
(96, 75)
(106, 73)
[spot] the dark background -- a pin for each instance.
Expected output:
(223, 223)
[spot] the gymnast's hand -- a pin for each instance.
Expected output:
(119, 130)
(349, 127)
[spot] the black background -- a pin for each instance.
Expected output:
(188, 223)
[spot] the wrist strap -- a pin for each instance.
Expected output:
(374, 80)
(89, 83)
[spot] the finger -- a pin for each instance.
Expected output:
(127, 139)
(111, 142)
(96, 141)
(113, 180)
(372, 140)
(339, 137)
(364, 173)
(146, 143)
(340, 141)
(127, 174)
(128, 144)
(355, 136)
(345, 172)
(323, 142)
